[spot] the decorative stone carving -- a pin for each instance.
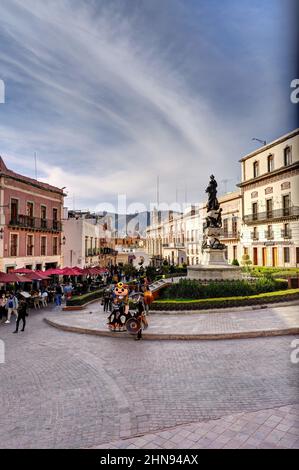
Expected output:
(269, 190)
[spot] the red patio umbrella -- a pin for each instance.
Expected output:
(42, 274)
(71, 271)
(51, 271)
(35, 276)
(23, 271)
(6, 278)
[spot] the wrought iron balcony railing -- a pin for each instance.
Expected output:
(254, 236)
(286, 233)
(287, 212)
(26, 221)
(230, 235)
(269, 234)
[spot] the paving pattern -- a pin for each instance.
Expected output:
(64, 390)
(276, 428)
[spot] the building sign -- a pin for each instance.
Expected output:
(254, 194)
(286, 185)
(269, 190)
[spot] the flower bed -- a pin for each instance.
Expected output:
(226, 302)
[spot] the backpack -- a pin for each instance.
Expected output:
(10, 304)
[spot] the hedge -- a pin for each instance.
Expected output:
(226, 302)
(193, 289)
(80, 300)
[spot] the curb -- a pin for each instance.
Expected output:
(174, 337)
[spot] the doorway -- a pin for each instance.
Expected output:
(274, 257)
(264, 253)
(255, 257)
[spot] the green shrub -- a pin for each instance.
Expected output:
(235, 262)
(192, 289)
(80, 300)
(226, 302)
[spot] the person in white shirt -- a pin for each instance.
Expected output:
(12, 305)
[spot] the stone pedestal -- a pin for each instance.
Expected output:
(214, 267)
(212, 257)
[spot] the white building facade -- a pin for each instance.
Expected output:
(270, 203)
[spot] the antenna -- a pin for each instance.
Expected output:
(260, 140)
(35, 165)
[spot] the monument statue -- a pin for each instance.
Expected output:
(213, 225)
(214, 264)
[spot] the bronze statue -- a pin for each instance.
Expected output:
(213, 204)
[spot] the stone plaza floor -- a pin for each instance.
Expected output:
(64, 390)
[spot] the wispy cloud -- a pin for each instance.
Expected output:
(109, 99)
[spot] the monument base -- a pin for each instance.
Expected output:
(214, 267)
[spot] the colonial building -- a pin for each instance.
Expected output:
(270, 203)
(30, 222)
(131, 250)
(88, 240)
(179, 239)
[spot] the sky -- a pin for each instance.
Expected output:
(112, 93)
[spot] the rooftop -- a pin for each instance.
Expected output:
(4, 171)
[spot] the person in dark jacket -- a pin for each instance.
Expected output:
(22, 314)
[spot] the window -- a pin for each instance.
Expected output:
(286, 204)
(14, 209)
(286, 254)
(43, 246)
(13, 245)
(29, 245)
(287, 156)
(225, 227)
(270, 163)
(269, 206)
(255, 169)
(30, 209)
(269, 233)
(254, 210)
(286, 232)
(55, 223)
(297, 255)
(55, 246)
(43, 216)
(235, 226)
(254, 234)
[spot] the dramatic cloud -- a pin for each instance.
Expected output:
(112, 93)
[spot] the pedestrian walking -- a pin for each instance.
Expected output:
(22, 314)
(12, 307)
(58, 295)
(3, 311)
(106, 300)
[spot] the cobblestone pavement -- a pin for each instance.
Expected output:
(63, 390)
(276, 428)
(264, 321)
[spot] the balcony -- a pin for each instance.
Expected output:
(287, 234)
(277, 214)
(269, 234)
(35, 223)
(254, 236)
(177, 245)
(230, 235)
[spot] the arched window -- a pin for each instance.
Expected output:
(255, 169)
(270, 163)
(287, 156)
